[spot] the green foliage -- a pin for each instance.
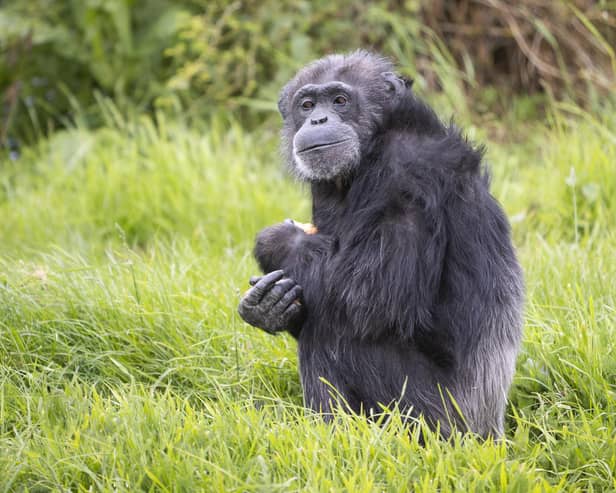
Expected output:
(188, 57)
(55, 55)
(197, 57)
(241, 53)
(124, 366)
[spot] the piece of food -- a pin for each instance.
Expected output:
(308, 228)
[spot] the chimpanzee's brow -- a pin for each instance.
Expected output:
(310, 89)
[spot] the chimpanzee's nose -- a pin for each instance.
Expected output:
(318, 120)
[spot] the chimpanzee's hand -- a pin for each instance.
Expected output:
(273, 303)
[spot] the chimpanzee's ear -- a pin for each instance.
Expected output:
(283, 101)
(396, 85)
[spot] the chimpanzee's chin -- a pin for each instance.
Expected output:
(325, 164)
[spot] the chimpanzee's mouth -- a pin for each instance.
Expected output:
(322, 146)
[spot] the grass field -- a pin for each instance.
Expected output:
(123, 364)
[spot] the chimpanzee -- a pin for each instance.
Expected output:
(407, 291)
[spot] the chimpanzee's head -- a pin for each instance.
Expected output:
(332, 109)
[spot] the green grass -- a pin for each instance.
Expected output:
(123, 364)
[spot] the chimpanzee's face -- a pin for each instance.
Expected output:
(325, 144)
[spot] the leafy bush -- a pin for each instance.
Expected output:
(235, 55)
(241, 50)
(58, 54)
(199, 56)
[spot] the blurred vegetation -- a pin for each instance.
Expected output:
(565, 47)
(59, 58)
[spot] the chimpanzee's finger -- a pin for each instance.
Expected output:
(292, 295)
(254, 280)
(280, 289)
(263, 285)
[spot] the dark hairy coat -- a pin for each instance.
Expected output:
(412, 290)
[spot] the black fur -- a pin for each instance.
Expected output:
(412, 293)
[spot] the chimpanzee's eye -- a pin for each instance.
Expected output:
(307, 104)
(340, 100)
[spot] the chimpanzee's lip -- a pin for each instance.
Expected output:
(322, 146)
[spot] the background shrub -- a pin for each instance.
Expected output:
(197, 57)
